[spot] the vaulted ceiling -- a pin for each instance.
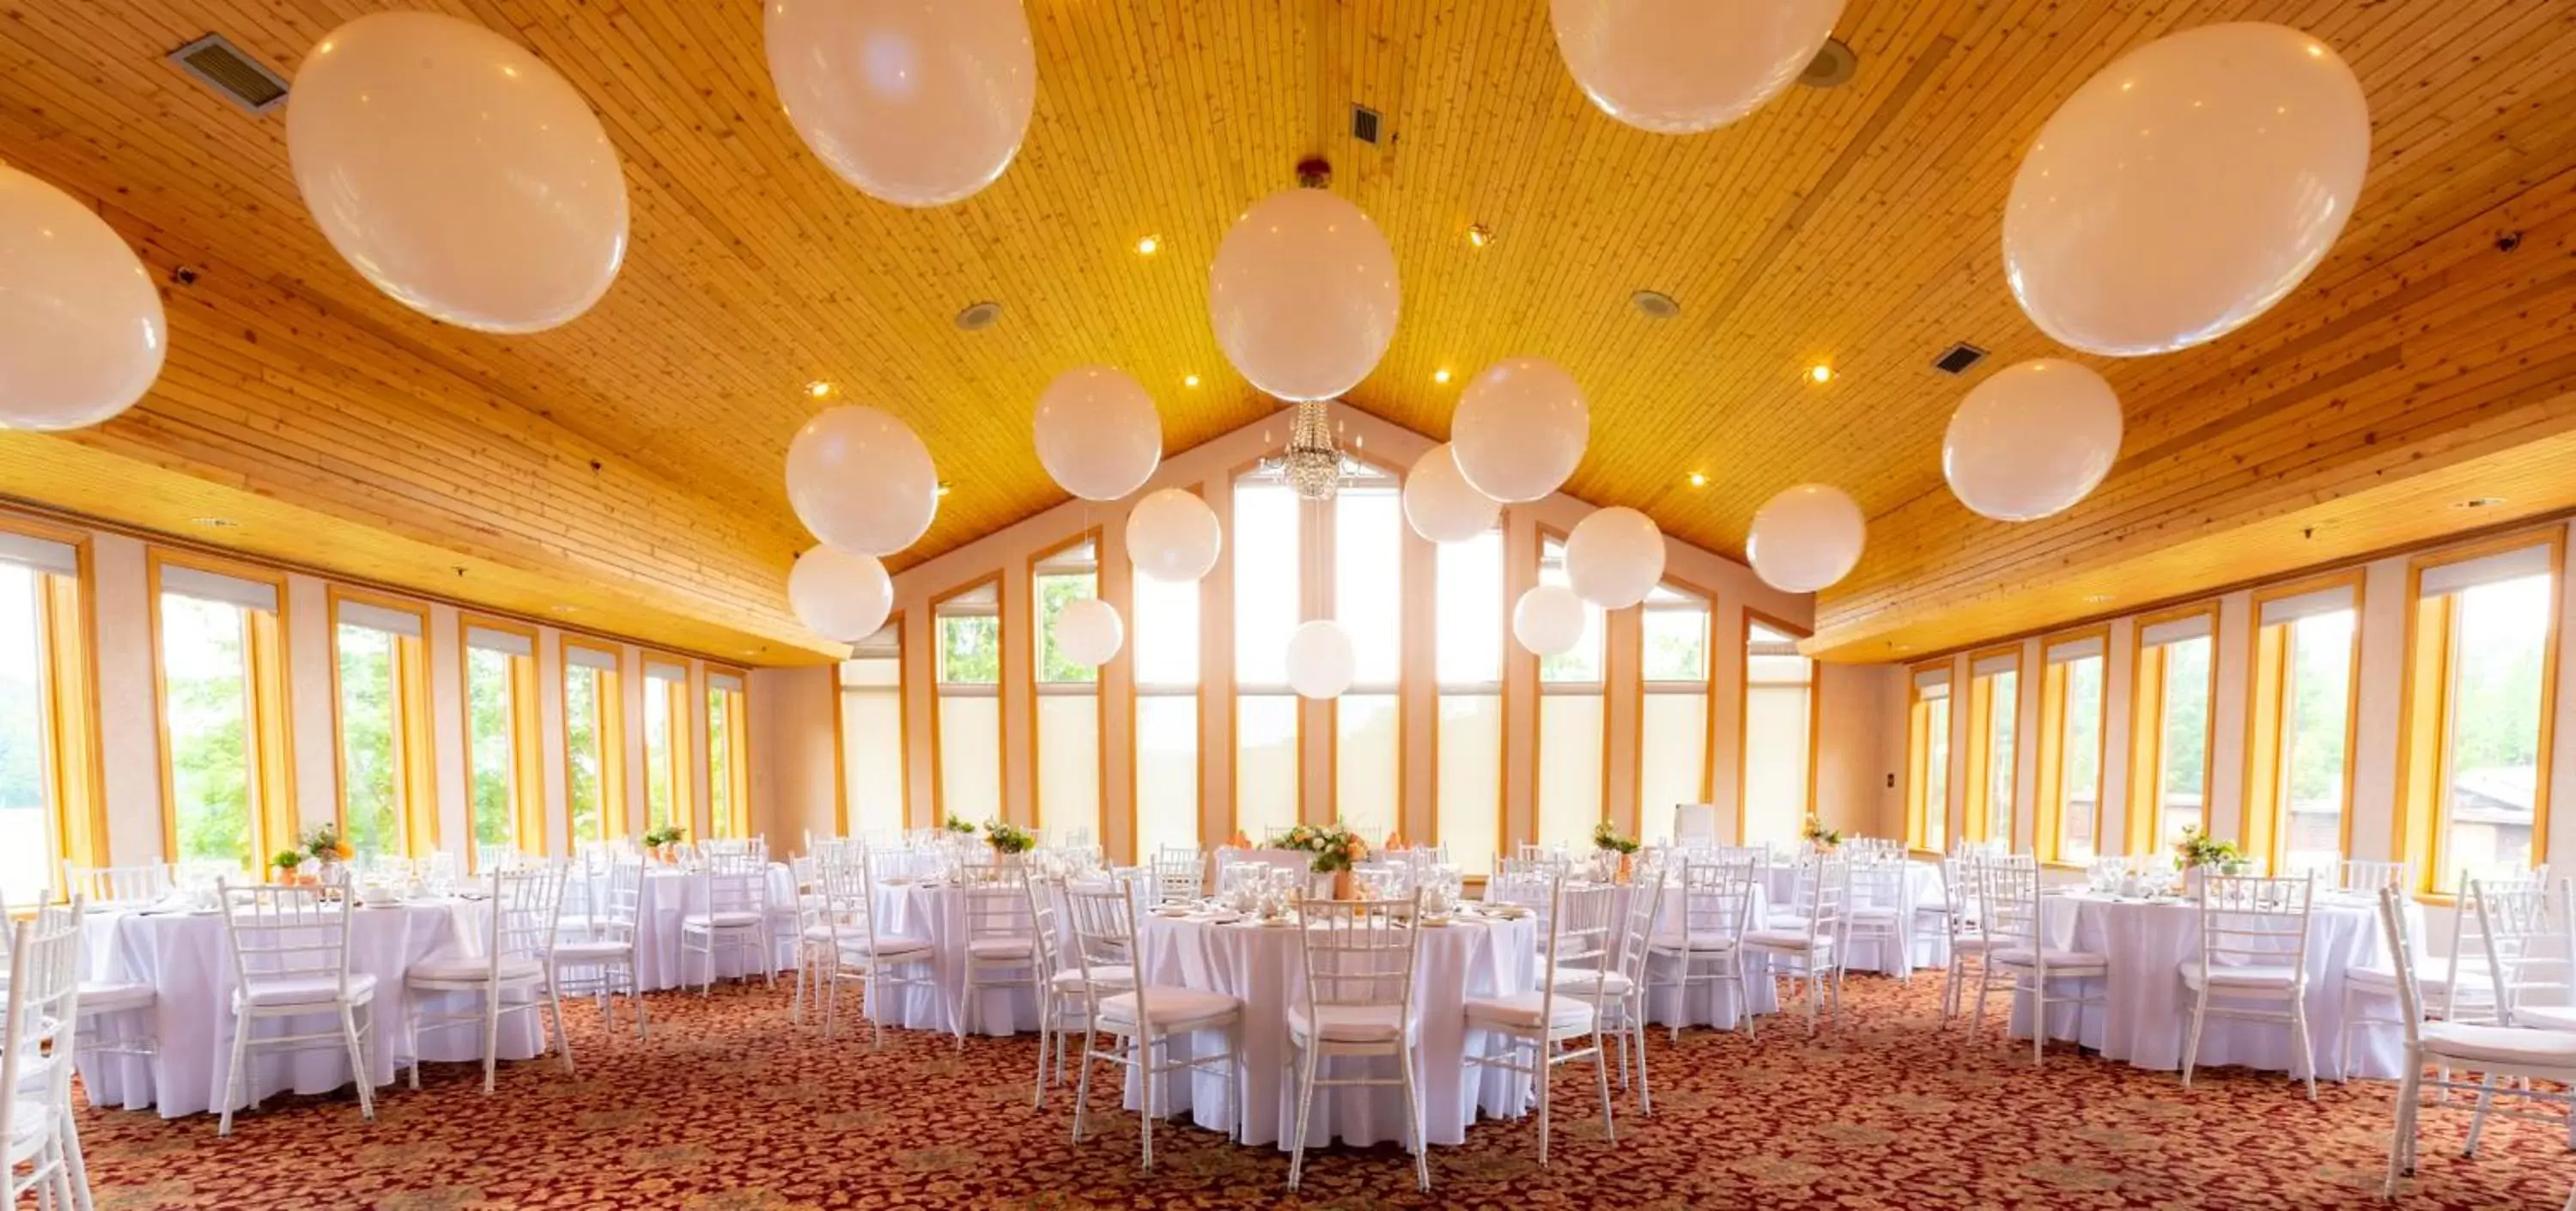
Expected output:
(624, 472)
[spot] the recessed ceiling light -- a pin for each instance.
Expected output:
(818, 388)
(1148, 246)
(1698, 480)
(1655, 304)
(1821, 372)
(566, 609)
(1478, 236)
(2097, 598)
(943, 487)
(1191, 381)
(2478, 502)
(215, 523)
(979, 316)
(1440, 375)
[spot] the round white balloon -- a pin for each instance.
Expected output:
(1548, 619)
(1303, 295)
(81, 330)
(1682, 66)
(838, 595)
(1441, 504)
(2186, 188)
(1806, 538)
(1088, 631)
(916, 102)
(1520, 429)
(2032, 440)
(457, 171)
(862, 481)
(1172, 536)
(1098, 433)
(1614, 557)
(1321, 661)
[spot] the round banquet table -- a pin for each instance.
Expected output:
(185, 958)
(670, 894)
(1263, 967)
(937, 912)
(2149, 1009)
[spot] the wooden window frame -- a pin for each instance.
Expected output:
(2263, 830)
(677, 733)
(2048, 802)
(269, 712)
(1978, 824)
(527, 738)
(1541, 689)
(1441, 690)
(1306, 593)
(1920, 709)
(1744, 708)
(1037, 682)
(2148, 691)
(736, 820)
(902, 735)
(74, 770)
(939, 684)
(609, 733)
(415, 745)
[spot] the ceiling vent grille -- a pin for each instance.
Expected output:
(222, 66)
(1364, 124)
(1959, 357)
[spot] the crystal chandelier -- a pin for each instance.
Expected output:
(1312, 466)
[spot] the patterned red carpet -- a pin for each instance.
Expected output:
(732, 1107)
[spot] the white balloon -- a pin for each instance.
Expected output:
(838, 595)
(1520, 429)
(1441, 504)
(2186, 188)
(1088, 631)
(1548, 619)
(916, 102)
(1321, 661)
(2032, 440)
(1303, 295)
(457, 171)
(1806, 538)
(862, 481)
(1172, 536)
(1682, 66)
(1614, 557)
(81, 330)
(1098, 433)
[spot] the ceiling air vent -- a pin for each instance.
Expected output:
(979, 316)
(1364, 123)
(1959, 357)
(1833, 66)
(224, 67)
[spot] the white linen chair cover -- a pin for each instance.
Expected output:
(290, 947)
(510, 974)
(1360, 957)
(1142, 1019)
(2248, 926)
(1578, 937)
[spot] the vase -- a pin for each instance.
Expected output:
(1343, 885)
(1627, 868)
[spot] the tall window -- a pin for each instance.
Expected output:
(728, 756)
(2298, 765)
(2069, 819)
(505, 789)
(1068, 704)
(1569, 724)
(967, 723)
(1468, 653)
(388, 799)
(872, 758)
(1267, 587)
(1672, 718)
(1779, 717)
(2483, 656)
(1994, 711)
(2169, 726)
(594, 742)
(1368, 600)
(50, 808)
(666, 747)
(230, 793)
(1165, 632)
(1927, 761)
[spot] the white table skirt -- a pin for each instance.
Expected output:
(1263, 968)
(937, 912)
(2149, 1010)
(186, 960)
(670, 894)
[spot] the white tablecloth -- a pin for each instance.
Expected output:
(937, 911)
(186, 960)
(2150, 1009)
(671, 893)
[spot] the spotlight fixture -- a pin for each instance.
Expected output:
(1148, 246)
(1191, 381)
(1655, 304)
(979, 316)
(1440, 375)
(818, 389)
(1698, 480)
(1821, 372)
(943, 487)
(1478, 236)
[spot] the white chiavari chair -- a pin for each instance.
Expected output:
(2017, 952)
(1180, 873)
(2371, 877)
(1360, 957)
(1877, 912)
(735, 920)
(490, 856)
(2528, 953)
(1064, 995)
(1623, 995)
(1815, 946)
(1962, 919)
(842, 946)
(107, 887)
(1000, 951)
(1145, 1020)
(1705, 943)
(596, 957)
(290, 947)
(510, 974)
(38, 1037)
(1545, 1021)
(2453, 987)
(2253, 947)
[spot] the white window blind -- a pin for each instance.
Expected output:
(725, 682)
(2082, 649)
(215, 586)
(42, 554)
(2489, 569)
(590, 658)
(1932, 681)
(2307, 605)
(1993, 665)
(659, 671)
(378, 618)
(506, 642)
(2174, 631)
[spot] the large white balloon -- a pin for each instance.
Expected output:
(1098, 433)
(917, 102)
(1520, 429)
(1441, 504)
(1303, 295)
(1806, 538)
(862, 481)
(1548, 619)
(2186, 188)
(81, 330)
(457, 172)
(1681, 66)
(1172, 536)
(1088, 631)
(1614, 557)
(1321, 661)
(838, 595)
(2032, 439)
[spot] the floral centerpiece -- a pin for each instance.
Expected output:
(660, 841)
(2197, 852)
(1814, 833)
(1335, 849)
(1007, 838)
(1607, 840)
(286, 861)
(324, 846)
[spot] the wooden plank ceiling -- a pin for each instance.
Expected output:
(630, 463)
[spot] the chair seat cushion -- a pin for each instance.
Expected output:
(1522, 1011)
(855, 943)
(2250, 976)
(593, 952)
(999, 948)
(1787, 939)
(2431, 976)
(1105, 976)
(2070, 960)
(1785, 920)
(27, 1120)
(1166, 1005)
(2539, 1017)
(1580, 981)
(703, 921)
(100, 997)
(280, 991)
(2500, 1045)
(1350, 1023)
(1701, 943)
(467, 968)
(1873, 913)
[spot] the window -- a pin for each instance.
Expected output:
(1927, 761)
(1267, 609)
(380, 683)
(966, 721)
(1368, 600)
(666, 747)
(51, 810)
(872, 756)
(1570, 725)
(2169, 726)
(1469, 601)
(594, 742)
(2298, 763)
(1994, 706)
(219, 644)
(728, 755)
(505, 791)
(1068, 704)
(1779, 724)
(1672, 710)
(2482, 657)
(2069, 800)
(1165, 635)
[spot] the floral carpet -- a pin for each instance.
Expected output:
(732, 1107)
